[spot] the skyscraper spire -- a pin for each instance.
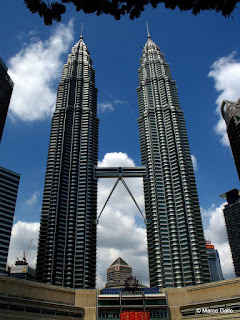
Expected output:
(149, 37)
(81, 36)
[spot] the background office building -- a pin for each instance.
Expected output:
(232, 219)
(9, 182)
(117, 273)
(176, 245)
(67, 242)
(214, 262)
(6, 88)
(231, 115)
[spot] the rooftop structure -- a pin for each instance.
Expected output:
(22, 271)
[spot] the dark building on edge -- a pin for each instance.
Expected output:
(6, 88)
(231, 114)
(232, 219)
(9, 182)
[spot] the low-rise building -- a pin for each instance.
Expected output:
(21, 270)
(28, 300)
(112, 302)
(211, 301)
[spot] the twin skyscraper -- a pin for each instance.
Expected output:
(67, 242)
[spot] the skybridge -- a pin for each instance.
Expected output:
(120, 173)
(115, 172)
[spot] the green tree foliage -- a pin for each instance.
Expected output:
(54, 10)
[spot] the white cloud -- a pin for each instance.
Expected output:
(22, 233)
(215, 231)
(34, 71)
(105, 106)
(119, 233)
(226, 74)
(115, 159)
(33, 199)
(194, 162)
(109, 105)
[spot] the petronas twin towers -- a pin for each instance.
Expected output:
(67, 242)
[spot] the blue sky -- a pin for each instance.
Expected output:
(204, 56)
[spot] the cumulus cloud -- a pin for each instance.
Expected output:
(215, 231)
(194, 162)
(119, 230)
(226, 74)
(22, 233)
(33, 199)
(109, 105)
(105, 106)
(34, 71)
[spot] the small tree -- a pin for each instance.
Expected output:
(131, 284)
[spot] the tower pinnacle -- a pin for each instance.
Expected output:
(81, 37)
(149, 37)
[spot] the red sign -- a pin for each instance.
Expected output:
(210, 246)
(135, 315)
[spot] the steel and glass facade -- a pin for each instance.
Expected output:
(6, 88)
(67, 242)
(214, 263)
(9, 182)
(176, 245)
(231, 114)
